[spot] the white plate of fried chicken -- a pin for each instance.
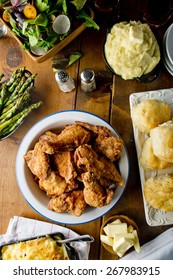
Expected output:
(72, 167)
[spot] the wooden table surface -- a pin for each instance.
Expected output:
(110, 101)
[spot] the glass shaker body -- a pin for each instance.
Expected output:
(64, 80)
(88, 83)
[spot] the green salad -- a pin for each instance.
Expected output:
(43, 23)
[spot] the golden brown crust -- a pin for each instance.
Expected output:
(162, 141)
(148, 160)
(72, 202)
(158, 192)
(149, 114)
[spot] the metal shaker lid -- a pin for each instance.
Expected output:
(87, 75)
(61, 76)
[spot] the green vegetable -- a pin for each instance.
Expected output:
(89, 22)
(38, 32)
(73, 58)
(15, 100)
(79, 4)
(65, 62)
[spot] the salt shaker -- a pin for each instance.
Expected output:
(64, 80)
(88, 83)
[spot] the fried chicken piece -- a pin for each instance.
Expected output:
(106, 144)
(72, 202)
(55, 185)
(70, 137)
(111, 147)
(48, 141)
(38, 162)
(64, 163)
(97, 129)
(94, 194)
(87, 159)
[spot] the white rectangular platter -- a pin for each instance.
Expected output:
(154, 217)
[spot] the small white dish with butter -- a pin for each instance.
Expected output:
(119, 234)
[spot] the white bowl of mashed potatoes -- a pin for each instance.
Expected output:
(131, 50)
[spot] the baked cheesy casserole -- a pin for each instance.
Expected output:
(43, 248)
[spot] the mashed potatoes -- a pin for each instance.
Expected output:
(131, 49)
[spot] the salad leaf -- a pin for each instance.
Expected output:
(73, 58)
(89, 22)
(42, 5)
(79, 4)
(33, 40)
(41, 20)
(64, 7)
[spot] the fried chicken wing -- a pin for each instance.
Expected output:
(106, 144)
(70, 137)
(38, 162)
(72, 202)
(94, 194)
(97, 129)
(64, 163)
(87, 159)
(55, 185)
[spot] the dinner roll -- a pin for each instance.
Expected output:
(158, 192)
(148, 160)
(162, 141)
(149, 114)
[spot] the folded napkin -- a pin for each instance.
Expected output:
(20, 228)
(160, 248)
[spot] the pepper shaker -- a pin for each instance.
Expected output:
(88, 83)
(64, 80)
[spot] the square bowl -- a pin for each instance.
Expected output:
(58, 47)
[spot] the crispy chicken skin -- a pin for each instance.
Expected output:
(106, 144)
(70, 137)
(87, 159)
(55, 185)
(64, 162)
(97, 129)
(111, 147)
(38, 162)
(72, 202)
(94, 194)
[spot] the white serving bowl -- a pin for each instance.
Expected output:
(30, 190)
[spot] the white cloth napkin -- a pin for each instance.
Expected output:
(22, 228)
(160, 248)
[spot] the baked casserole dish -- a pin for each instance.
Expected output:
(39, 248)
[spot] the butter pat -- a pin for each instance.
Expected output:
(136, 242)
(125, 235)
(122, 245)
(136, 34)
(112, 229)
(107, 240)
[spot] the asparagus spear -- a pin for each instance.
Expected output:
(19, 117)
(3, 95)
(16, 74)
(14, 94)
(27, 82)
(19, 102)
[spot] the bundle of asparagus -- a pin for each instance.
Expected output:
(15, 100)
